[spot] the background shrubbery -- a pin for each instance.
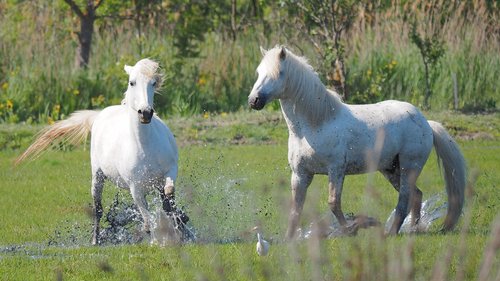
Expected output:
(209, 60)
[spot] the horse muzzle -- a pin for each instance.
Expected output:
(145, 115)
(256, 102)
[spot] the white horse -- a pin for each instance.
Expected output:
(327, 136)
(130, 145)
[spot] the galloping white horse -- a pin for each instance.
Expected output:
(130, 145)
(327, 136)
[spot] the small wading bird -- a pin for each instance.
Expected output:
(262, 246)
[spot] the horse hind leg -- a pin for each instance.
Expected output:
(394, 177)
(97, 187)
(410, 197)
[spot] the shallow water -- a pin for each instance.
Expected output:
(122, 224)
(433, 209)
(327, 226)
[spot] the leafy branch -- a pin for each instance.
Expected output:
(431, 50)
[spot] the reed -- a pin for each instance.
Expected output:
(39, 83)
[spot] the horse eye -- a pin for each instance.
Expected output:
(154, 84)
(132, 83)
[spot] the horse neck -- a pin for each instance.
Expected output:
(308, 103)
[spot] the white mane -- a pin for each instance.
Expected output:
(304, 86)
(150, 69)
(147, 68)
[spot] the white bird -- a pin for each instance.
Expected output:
(262, 245)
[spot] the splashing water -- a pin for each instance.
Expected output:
(432, 209)
(327, 226)
(122, 224)
(221, 209)
(219, 222)
(167, 229)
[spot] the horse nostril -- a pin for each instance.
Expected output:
(253, 101)
(139, 111)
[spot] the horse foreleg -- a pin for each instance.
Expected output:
(97, 186)
(168, 195)
(335, 184)
(141, 203)
(299, 185)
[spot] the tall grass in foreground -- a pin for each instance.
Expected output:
(467, 254)
(228, 189)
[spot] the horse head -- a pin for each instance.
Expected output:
(271, 81)
(143, 82)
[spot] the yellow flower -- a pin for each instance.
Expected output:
(206, 115)
(50, 120)
(5, 86)
(394, 62)
(9, 104)
(76, 92)
(369, 73)
(56, 108)
(202, 81)
(223, 114)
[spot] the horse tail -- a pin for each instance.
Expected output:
(73, 130)
(453, 163)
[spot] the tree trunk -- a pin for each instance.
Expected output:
(233, 20)
(85, 40)
(428, 91)
(87, 19)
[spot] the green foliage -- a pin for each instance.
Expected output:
(431, 48)
(372, 84)
(207, 71)
(191, 25)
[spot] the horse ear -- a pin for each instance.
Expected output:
(263, 51)
(283, 53)
(128, 69)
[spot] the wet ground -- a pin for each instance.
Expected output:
(122, 225)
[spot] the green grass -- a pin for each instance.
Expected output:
(226, 190)
(340, 259)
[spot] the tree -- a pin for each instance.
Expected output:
(431, 50)
(87, 18)
(427, 20)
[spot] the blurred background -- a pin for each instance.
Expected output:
(60, 56)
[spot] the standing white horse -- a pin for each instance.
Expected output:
(327, 136)
(130, 145)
